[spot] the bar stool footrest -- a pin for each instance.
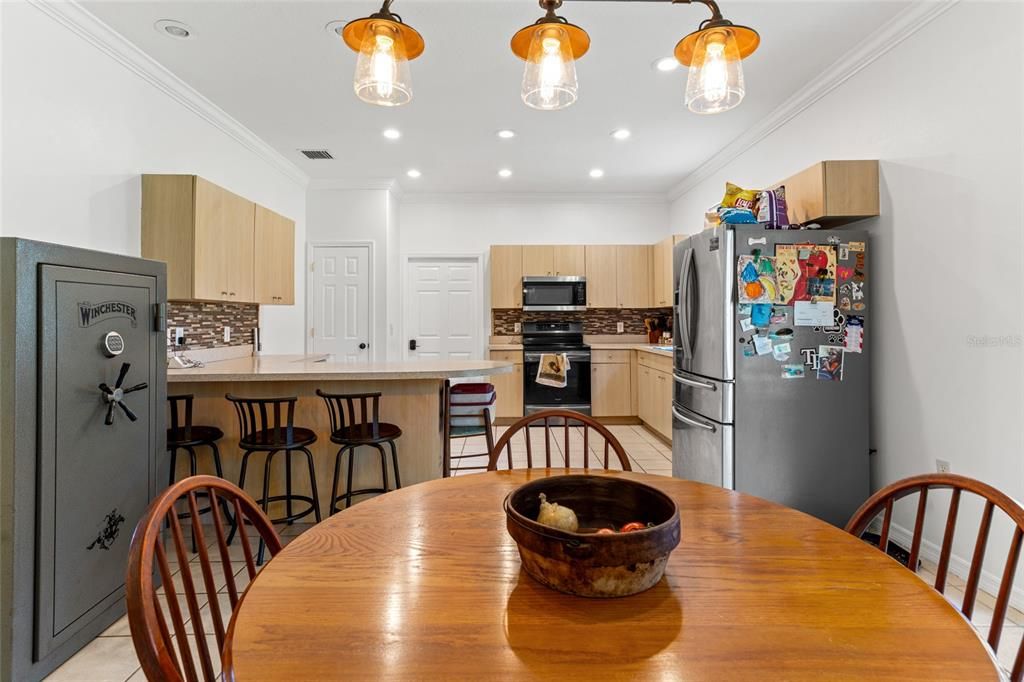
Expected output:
(293, 498)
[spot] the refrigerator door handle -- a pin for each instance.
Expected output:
(692, 422)
(694, 383)
(684, 315)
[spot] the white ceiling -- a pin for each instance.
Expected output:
(272, 66)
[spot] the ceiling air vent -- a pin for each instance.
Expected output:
(316, 153)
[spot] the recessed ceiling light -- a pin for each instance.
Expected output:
(392, 133)
(505, 173)
(334, 28)
(596, 173)
(413, 173)
(506, 134)
(621, 134)
(174, 29)
(666, 64)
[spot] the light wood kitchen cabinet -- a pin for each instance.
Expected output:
(654, 393)
(610, 389)
(601, 265)
(538, 261)
(662, 274)
(207, 237)
(551, 261)
(274, 258)
(633, 276)
(508, 387)
(831, 193)
(570, 261)
(506, 277)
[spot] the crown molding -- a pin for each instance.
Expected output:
(891, 34)
(86, 25)
(499, 198)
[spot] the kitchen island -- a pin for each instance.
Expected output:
(411, 398)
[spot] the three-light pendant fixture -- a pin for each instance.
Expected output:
(550, 47)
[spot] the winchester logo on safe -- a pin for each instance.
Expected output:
(91, 313)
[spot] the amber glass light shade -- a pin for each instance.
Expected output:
(382, 68)
(549, 81)
(715, 82)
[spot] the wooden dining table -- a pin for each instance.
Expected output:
(425, 583)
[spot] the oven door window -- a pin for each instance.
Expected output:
(576, 391)
(554, 293)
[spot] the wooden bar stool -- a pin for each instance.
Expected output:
(350, 429)
(184, 435)
(266, 427)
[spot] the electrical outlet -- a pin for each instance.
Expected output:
(517, 328)
(942, 466)
(619, 327)
(179, 336)
(227, 334)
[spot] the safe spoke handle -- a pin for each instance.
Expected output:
(115, 396)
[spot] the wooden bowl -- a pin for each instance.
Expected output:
(586, 563)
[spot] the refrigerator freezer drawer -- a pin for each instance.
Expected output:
(708, 397)
(702, 449)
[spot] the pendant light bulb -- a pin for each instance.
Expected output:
(715, 81)
(382, 68)
(549, 81)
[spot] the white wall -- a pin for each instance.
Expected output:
(79, 128)
(947, 265)
(463, 224)
(471, 223)
(359, 215)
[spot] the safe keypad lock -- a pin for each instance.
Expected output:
(115, 396)
(113, 344)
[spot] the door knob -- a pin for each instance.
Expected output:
(412, 344)
(362, 346)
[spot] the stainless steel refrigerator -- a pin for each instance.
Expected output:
(776, 408)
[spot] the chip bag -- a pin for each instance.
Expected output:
(737, 197)
(771, 209)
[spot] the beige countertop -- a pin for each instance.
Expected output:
(642, 347)
(322, 368)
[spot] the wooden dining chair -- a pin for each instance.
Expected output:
(167, 655)
(882, 503)
(561, 425)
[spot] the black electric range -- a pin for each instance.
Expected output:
(556, 337)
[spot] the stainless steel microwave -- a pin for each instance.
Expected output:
(554, 293)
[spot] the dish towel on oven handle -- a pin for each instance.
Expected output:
(553, 370)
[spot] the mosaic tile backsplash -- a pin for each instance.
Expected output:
(595, 321)
(204, 323)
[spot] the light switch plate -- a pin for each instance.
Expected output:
(227, 334)
(517, 328)
(619, 327)
(179, 336)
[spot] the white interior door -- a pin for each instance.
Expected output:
(341, 302)
(443, 308)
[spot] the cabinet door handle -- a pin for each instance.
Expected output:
(223, 293)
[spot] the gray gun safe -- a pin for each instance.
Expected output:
(83, 373)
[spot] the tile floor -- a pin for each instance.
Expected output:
(647, 452)
(111, 656)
